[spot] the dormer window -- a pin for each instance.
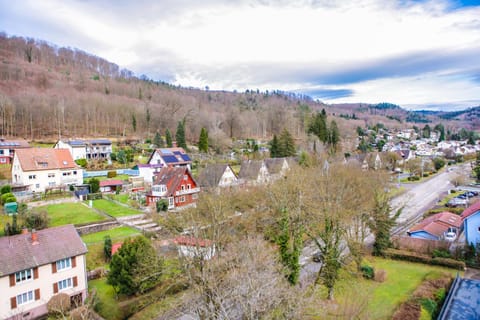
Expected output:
(42, 164)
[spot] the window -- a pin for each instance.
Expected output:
(51, 184)
(185, 177)
(64, 264)
(182, 199)
(182, 187)
(189, 187)
(25, 298)
(32, 177)
(75, 172)
(65, 284)
(1, 151)
(51, 175)
(3, 160)
(24, 275)
(37, 185)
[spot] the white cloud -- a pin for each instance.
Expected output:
(227, 44)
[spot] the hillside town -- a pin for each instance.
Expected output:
(138, 197)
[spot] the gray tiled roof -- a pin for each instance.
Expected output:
(19, 253)
(250, 169)
(210, 176)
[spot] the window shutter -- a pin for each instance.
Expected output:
(12, 280)
(35, 273)
(55, 287)
(75, 281)
(37, 294)
(13, 302)
(54, 267)
(74, 262)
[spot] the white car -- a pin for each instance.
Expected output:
(450, 236)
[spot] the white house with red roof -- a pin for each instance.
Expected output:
(39, 169)
(176, 185)
(35, 266)
(193, 247)
(471, 223)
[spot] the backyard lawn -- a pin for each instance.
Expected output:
(113, 209)
(380, 300)
(66, 213)
(3, 221)
(116, 234)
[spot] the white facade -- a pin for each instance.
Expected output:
(39, 180)
(228, 178)
(32, 295)
(77, 151)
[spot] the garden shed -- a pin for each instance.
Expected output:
(10, 207)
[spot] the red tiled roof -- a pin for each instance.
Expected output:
(107, 183)
(19, 252)
(471, 210)
(192, 241)
(172, 177)
(438, 224)
(116, 247)
(33, 159)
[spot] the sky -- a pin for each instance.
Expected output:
(417, 54)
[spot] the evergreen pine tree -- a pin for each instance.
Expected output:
(286, 145)
(168, 138)
(180, 135)
(274, 147)
(203, 141)
(333, 136)
(158, 141)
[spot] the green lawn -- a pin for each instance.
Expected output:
(116, 234)
(380, 300)
(3, 221)
(102, 178)
(113, 209)
(66, 213)
(122, 198)
(107, 305)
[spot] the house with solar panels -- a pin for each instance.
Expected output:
(7, 149)
(170, 157)
(87, 149)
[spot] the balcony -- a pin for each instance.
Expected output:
(187, 191)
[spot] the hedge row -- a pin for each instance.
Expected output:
(416, 257)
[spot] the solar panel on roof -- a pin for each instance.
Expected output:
(166, 151)
(170, 159)
(185, 157)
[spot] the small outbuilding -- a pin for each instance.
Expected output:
(10, 208)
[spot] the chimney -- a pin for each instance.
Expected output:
(25, 231)
(34, 237)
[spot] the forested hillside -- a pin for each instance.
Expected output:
(47, 92)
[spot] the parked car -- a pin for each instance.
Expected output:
(455, 202)
(450, 236)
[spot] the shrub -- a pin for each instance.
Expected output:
(368, 272)
(59, 304)
(6, 189)
(441, 253)
(81, 162)
(416, 257)
(36, 220)
(413, 178)
(94, 185)
(162, 205)
(111, 174)
(7, 197)
(380, 275)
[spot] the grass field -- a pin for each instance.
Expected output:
(107, 305)
(380, 300)
(116, 234)
(113, 209)
(66, 213)
(3, 221)
(102, 178)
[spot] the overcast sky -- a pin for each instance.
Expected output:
(418, 54)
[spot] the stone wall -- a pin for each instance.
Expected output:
(102, 226)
